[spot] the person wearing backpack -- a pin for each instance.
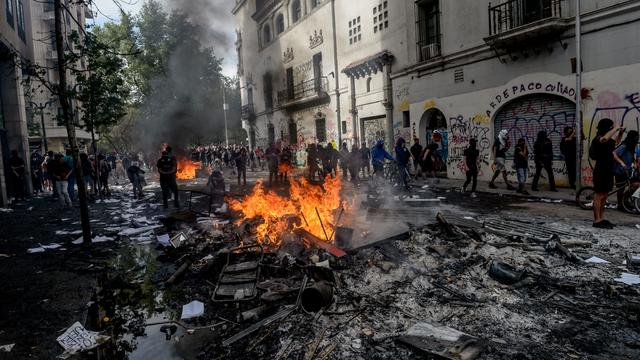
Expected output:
(601, 151)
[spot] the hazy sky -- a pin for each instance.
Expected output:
(107, 10)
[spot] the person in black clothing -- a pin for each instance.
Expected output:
(354, 163)
(167, 168)
(17, 175)
(521, 162)
(136, 177)
(402, 157)
(601, 150)
(87, 172)
(568, 151)
(312, 161)
(543, 157)
(416, 151)
(36, 171)
(344, 160)
(241, 165)
(471, 155)
(365, 159)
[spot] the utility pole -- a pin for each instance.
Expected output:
(336, 71)
(225, 107)
(579, 130)
(71, 129)
(40, 107)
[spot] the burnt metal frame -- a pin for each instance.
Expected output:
(308, 88)
(513, 14)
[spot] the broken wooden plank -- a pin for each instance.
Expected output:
(330, 248)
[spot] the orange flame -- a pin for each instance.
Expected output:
(187, 169)
(276, 211)
(284, 168)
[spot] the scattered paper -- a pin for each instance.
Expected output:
(192, 310)
(36, 250)
(138, 231)
(178, 239)
(100, 239)
(77, 241)
(6, 210)
(77, 338)
(596, 260)
(629, 279)
(50, 246)
(164, 239)
(7, 348)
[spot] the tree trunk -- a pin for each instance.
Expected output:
(68, 120)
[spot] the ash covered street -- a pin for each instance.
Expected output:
(320, 179)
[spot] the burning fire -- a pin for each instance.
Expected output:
(187, 169)
(284, 168)
(277, 211)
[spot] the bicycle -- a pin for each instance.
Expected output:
(630, 199)
(392, 174)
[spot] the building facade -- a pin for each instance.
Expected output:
(456, 69)
(15, 47)
(45, 131)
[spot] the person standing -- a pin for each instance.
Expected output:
(543, 158)
(103, 177)
(601, 151)
(500, 147)
(241, 166)
(568, 150)
(416, 151)
(365, 159)
(403, 156)
(428, 161)
(71, 181)
(312, 161)
(87, 172)
(344, 160)
(136, 177)
(624, 162)
(17, 175)
(521, 163)
(60, 172)
(378, 156)
(471, 155)
(36, 171)
(167, 168)
(354, 163)
(273, 162)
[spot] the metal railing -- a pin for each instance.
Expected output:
(247, 112)
(513, 14)
(307, 89)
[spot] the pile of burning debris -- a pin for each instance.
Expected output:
(302, 276)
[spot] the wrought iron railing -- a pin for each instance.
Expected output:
(310, 88)
(247, 112)
(513, 14)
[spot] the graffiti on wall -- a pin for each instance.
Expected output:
(303, 72)
(623, 110)
(461, 130)
(517, 90)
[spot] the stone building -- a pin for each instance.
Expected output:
(464, 69)
(44, 107)
(15, 46)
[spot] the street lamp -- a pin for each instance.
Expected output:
(40, 107)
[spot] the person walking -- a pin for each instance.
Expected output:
(71, 181)
(17, 175)
(312, 162)
(36, 172)
(354, 163)
(624, 162)
(136, 177)
(521, 163)
(403, 156)
(60, 171)
(167, 168)
(87, 172)
(344, 160)
(365, 159)
(568, 151)
(378, 156)
(500, 147)
(273, 162)
(601, 151)
(416, 151)
(471, 155)
(428, 161)
(543, 158)
(103, 178)
(241, 166)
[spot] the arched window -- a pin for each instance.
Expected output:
(369, 85)
(296, 10)
(266, 34)
(279, 24)
(315, 3)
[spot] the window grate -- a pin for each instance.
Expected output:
(458, 76)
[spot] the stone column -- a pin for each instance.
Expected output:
(388, 105)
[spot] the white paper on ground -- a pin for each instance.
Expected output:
(62, 232)
(596, 260)
(77, 241)
(99, 239)
(36, 250)
(7, 348)
(50, 246)
(629, 279)
(137, 231)
(192, 310)
(77, 338)
(6, 210)
(164, 239)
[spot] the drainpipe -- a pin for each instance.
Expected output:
(388, 105)
(354, 111)
(578, 98)
(336, 71)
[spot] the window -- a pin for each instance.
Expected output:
(9, 7)
(355, 31)
(279, 24)
(344, 127)
(21, 32)
(271, 134)
(267, 87)
(369, 85)
(293, 132)
(266, 35)
(380, 17)
(296, 11)
(406, 119)
(428, 29)
(315, 3)
(321, 130)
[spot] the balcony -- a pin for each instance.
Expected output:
(263, 7)
(304, 94)
(247, 112)
(518, 22)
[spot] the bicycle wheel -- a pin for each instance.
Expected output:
(584, 198)
(629, 203)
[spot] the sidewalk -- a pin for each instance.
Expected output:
(563, 194)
